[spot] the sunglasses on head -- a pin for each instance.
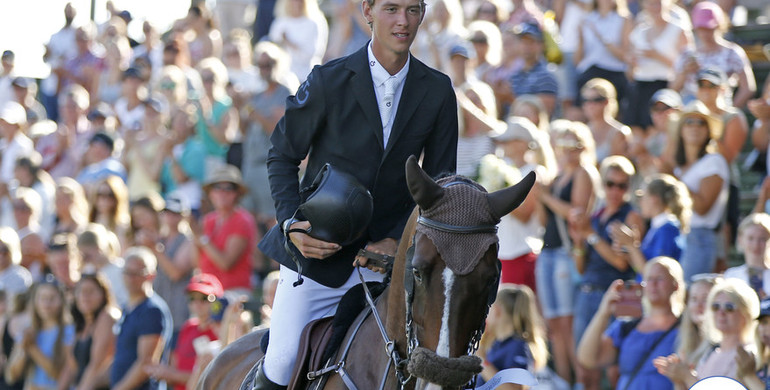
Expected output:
(612, 184)
(728, 307)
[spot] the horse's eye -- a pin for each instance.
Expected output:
(417, 275)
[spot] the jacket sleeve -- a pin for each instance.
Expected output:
(291, 141)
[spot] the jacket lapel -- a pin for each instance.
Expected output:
(413, 93)
(363, 88)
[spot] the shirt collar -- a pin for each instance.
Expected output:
(661, 219)
(379, 74)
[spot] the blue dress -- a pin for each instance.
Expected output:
(664, 240)
(512, 352)
(633, 347)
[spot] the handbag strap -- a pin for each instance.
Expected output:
(646, 356)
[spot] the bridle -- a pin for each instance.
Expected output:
(395, 359)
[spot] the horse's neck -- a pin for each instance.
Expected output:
(393, 299)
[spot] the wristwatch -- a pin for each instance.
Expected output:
(592, 239)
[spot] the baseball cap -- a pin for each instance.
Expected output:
(707, 15)
(461, 50)
(21, 82)
(177, 204)
(158, 103)
(528, 28)
(668, 97)
(102, 110)
(132, 72)
(207, 284)
(104, 138)
(713, 75)
(13, 113)
(764, 308)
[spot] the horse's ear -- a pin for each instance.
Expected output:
(424, 190)
(506, 200)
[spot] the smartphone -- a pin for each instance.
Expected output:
(630, 303)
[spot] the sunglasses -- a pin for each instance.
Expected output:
(598, 99)
(198, 298)
(105, 195)
(619, 185)
(229, 187)
(568, 144)
(707, 85)
(168, 86)
(728, 307)
(660, 108)
(694, 122)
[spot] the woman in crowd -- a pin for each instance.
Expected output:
(217, 120)
(666, 204)
(63, 261)
(729, 327)
(207, 40)
(109, 207)
(516, 331)
(172, 85)
(487, 43)
(493, 11)
(94, 315)
(655, 47)
(42, 355)
(521, 230)
(203, 290)
(706, 174)
(600, 106)
(755, 373)
(499, 76)
(602, 45)
(301, 29)
(712, 50)
(145, 219)
(29, 174)
(183, 170)
(142, 156)
(71, 207)
(634, 344)
(599, 263)
(26, 211)
(753, 237)
(14, 278)
(691, 332)
(574, 188)
(532, 108)
(110, 79)
(99, 250)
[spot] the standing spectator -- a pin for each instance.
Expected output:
(301, 28)
(599, 262)
(142, 156)
(44, 352)
(176, 256)
(652, 149)
(691, 332)
(129, 108)
(207, 40)
(63, 261)
(109, 208)
(14, 142)
(264, 112)
(63, 149)
(151, 48)
(707, 175)
(100, 163)
(83, 69)
(94, 315)
(712, 50)
(217, 120)
(499, 77)
(753, 237)
(145, 220)
(573, 190)
(667, 205)
(225, 241)
(172, 85)
(237, 57)
(184, 169)
(109, 83)
(25, 93)
(534, 78)
(202, 292)
(71, 214)
(602, 45)
(98, 254)
(59, 48)
(633, 345)
(655, 47)
(26, 211)
(14, 279)
(29, 174)
(600, 106)
(487, 42)
(144, 330)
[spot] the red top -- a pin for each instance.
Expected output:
(241, 224)
(184, 353)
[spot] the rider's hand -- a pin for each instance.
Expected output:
(311, 247)
(386, 246)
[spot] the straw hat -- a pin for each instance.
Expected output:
(697, 108)
(225, 174)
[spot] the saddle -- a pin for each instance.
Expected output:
(312, 347)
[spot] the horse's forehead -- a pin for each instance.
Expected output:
(462, 204)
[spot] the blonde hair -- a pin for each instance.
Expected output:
(219, 71)
(535, 102)
(754, 219)
(10, 238)
(745, 300)
(62, 320)
(79, 207)
(606, 90)
(310, 9)
(674, 270)
(675, 197)
(176, 75)
(691, 334)
(520, 307)
(282, 61)
(617, 163)
(144, 255)
(564, 127)
(31, 199)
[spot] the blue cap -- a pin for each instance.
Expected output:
(462, 50)
(529, 28)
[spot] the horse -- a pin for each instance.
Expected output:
(426, 325)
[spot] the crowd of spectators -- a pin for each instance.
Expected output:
(134, 188)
